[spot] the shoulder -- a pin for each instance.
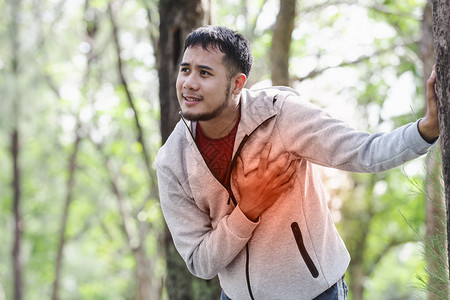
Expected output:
(286, 102)
(273, 93)
(268, 99)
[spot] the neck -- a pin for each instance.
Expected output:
(221, 125)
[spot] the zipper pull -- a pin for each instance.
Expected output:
(231, 197)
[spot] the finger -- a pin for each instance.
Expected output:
(240, 167)
(264, 157)
(287, 184)
(432, 79)
(434, 73)
(281, 163)
(431, 91)
(290, 183)
(287, 175)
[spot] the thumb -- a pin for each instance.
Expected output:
(239, 171)
(240, 167)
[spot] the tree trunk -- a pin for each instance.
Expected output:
(17, 264)
(441, 33)
(71, 167)
(147, 288)
(357, 281)
(65, 215)
(435, 249)
(356, 269)
(15, 153)
(433, 183)
(177, 20)
(281, 43)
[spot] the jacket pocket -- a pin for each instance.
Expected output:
(301, 247)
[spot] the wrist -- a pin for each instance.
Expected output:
(429, 131)
(251, 214)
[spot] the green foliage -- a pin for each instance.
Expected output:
(387, 54)
(58, 87)
(68, 74)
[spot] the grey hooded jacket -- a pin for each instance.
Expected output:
(294, 250)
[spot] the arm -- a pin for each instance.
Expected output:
(311, 133)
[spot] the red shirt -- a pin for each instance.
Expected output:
(217, 153)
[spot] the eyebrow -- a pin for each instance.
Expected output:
(184, 64)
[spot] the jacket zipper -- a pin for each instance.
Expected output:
(233, 198)
(301, 246)
(233, 162)
(247, 272)
(230, 191)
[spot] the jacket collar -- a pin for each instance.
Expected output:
(256, 107)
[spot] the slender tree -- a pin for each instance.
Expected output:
(71, 167)
(281, 42)
(68, 200)
(15, 152)
(441, 33)
(17, 263)
(147, 288)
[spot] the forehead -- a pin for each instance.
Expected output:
(196, 55)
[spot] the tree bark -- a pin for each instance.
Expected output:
(177, 20)
(281, 43)
(441, 33)
(435, 212)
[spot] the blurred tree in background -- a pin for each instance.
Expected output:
(82, 117)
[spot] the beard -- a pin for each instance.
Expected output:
(206, 116)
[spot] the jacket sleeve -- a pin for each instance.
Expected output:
(206, 250)
(326, 141)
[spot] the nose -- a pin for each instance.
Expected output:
(190, 83)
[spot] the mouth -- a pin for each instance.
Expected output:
(192, 98)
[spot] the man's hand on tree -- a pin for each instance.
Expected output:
(429, 125)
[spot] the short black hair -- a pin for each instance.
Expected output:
(238, 56)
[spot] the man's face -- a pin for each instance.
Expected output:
(203, 88)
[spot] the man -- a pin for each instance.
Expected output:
(238, 186)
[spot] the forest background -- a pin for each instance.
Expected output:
(81, 122)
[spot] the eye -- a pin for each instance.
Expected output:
(184, 70)
(205, 73)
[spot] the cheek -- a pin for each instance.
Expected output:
(179, 86)
(178, 83)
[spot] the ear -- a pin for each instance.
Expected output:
(239, 82)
